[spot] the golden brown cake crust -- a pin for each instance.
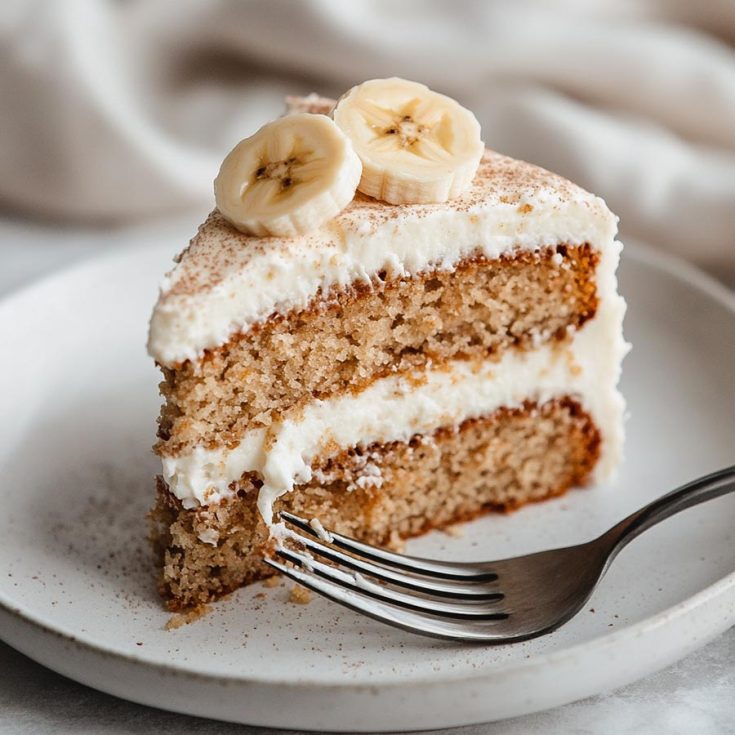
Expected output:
(354, 336)
(383, 492)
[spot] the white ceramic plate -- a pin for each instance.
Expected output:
(79, 402)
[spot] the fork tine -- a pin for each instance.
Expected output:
(414, 564)
(355, 581)
(464, 590)
(489, 631)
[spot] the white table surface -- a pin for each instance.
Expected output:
(694, 696)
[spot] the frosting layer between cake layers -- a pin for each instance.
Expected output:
(587, 367)
(225, 282)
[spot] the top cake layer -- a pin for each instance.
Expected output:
(225, 281)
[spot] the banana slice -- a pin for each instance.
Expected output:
(292, 176)
(416, 146)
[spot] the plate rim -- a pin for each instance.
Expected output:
(670, 264)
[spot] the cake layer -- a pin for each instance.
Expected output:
(225, 282)
(586, 365)
(347, 339)
(383, 491)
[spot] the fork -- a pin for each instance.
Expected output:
(489, 602)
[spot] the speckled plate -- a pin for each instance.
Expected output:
(76, 588)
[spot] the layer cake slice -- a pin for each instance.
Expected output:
(398, 369)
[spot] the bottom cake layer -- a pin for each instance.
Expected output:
(381, 493)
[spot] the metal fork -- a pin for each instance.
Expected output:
(489, 602)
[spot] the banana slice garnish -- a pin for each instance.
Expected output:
(416, 145)
(290, 177)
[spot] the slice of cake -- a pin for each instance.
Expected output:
(397, 368)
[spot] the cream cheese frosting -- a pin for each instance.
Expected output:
(225, 281)
(395, 408)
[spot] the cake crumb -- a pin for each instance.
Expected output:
(455, 530)
(299, 595)
(396, 543)
(184, 618)
(575, 368)
(273, 581)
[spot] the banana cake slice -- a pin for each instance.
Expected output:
(386, 367)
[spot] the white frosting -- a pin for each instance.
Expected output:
(320, 531)
(225, 281)
(397, 407)
(209, 536)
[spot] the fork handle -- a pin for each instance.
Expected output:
(693, 493)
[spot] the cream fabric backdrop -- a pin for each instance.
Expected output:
(116, 111)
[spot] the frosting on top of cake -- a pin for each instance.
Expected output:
(226, 281)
